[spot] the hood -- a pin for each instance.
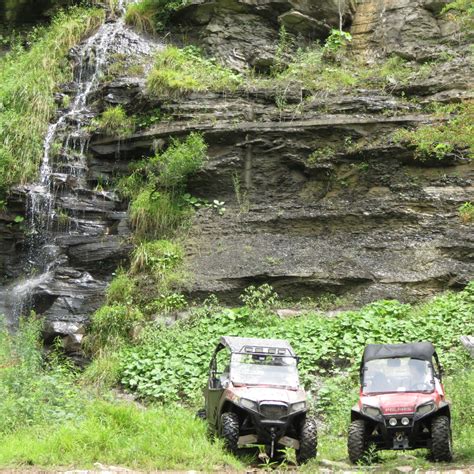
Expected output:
(399, 403)
(260, 394)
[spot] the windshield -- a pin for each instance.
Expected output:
(252, 369)
(398, 375)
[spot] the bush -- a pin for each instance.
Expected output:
(177, 71)
(28, 79)
(114, 122)
(112, 327)
(156, 369)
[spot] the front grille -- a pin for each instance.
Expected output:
(273, 411)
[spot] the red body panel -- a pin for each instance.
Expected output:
(401, 402)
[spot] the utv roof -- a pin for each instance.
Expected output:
(257, 346)
(416, 350)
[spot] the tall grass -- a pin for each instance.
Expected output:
(167, 438)
(28, 79)
(178, 71)
(33, 389)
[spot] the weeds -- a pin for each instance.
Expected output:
(179, 71)
(326, 346)
(28, 79)
(466, 212)
(455, 136)
(114, 122)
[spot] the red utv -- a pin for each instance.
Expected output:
(253, 396)
(402, 403)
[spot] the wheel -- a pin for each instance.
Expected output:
(357, 441)
(201, 414)
(308, 441)
(230, 431)
(441, 439)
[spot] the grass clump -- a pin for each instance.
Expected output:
(34, 389)
(114, 122)
(112, 326)
(156, 256)
(28, 79)
(466, 212)
(178, 71)
(453, 137)
(150, 16)
(157, 184)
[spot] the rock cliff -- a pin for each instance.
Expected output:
(318, 196)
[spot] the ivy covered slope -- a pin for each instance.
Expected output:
(28, 80)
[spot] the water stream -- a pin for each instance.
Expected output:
(63, 173)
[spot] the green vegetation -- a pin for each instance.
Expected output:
(56, 417)
(177, 71)
(28, 79)
(455, 136)
(156, 187)
(462, 12)
(156, 369)
(150, 16)
(466, 212)
(33, 390)
(114, 122)
(51, 418)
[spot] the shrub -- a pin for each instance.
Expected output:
(112, 327)
(177, 71)
(114, 121)
(156, 368)
(28, 79)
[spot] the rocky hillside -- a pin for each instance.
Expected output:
(320, 196)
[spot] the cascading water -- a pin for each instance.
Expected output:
(63, 175)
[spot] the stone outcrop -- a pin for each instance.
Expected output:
(407, 28)
(318, 196)
(364, 220)
(245, 33)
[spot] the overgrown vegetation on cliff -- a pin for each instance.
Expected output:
(28, 80)
(455, 136)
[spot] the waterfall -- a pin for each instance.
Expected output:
(63, 174)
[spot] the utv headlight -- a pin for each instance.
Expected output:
(249, 404)
(425, 409)
(373, 412)
(299, 406)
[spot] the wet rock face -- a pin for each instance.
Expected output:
(363, 219)
(244, 33)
